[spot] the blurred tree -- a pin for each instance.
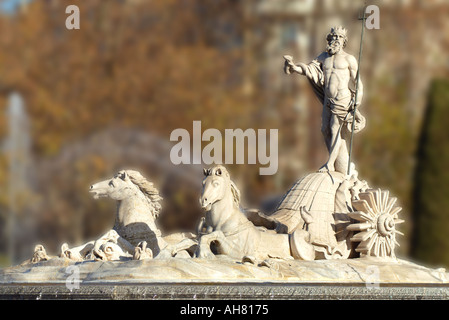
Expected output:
(137, 64)
(148, 65)
(430, 242)
(158, 65)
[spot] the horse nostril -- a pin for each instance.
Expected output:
(205, 199)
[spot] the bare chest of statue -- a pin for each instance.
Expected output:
(336, 76)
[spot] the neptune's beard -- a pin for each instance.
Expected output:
(334, 46)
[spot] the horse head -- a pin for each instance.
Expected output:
(138, 197)
(118, 188)
(216, 186)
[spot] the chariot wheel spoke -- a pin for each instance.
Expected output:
(376, 223)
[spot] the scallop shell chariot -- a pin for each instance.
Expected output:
(343, 217)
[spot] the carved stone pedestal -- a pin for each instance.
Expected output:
(223, 278)
(225, 291)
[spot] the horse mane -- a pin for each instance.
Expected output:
(235, 193)
(148, 189)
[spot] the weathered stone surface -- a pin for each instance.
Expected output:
(223, 269)
(223, 278)
(223, 291)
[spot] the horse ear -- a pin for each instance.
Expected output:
(205, 172)
(218, 172)
(124, 175)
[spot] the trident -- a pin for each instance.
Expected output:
(363, 19)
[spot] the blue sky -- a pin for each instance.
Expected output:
(9, 6)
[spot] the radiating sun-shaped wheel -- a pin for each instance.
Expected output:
(377, 218)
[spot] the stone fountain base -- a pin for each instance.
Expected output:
(223, 278)
(225, 291)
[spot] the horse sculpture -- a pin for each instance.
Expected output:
(135, 234)
(232, 234)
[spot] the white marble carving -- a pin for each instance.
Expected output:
(135, 232)
(333, 77)
(338, 208)
(330, 214)
(377, 217)
(233, 234)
